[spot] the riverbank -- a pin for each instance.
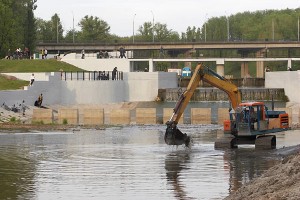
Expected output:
(281, 181)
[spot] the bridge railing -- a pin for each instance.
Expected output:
(91, 76)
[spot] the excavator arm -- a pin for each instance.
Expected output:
(173, 135)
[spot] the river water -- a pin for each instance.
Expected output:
(130, 162)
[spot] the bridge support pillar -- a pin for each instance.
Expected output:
(260, 64)
(220, 67)
(244, 69)
(289, 64)
(151, 66)
(260, 69)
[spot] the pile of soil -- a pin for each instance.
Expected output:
(279, 182)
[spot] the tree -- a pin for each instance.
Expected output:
(43, 29)
(56, 28)
(145, 32)
(93, 29)
(17, 25)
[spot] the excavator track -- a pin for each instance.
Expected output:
(265, 142)
(224, 142)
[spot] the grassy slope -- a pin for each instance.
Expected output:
(15, 66)
(50, 65)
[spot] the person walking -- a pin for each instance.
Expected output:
(32, 78)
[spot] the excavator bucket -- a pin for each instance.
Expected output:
(174, 136)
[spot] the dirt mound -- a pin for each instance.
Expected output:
(279, 182)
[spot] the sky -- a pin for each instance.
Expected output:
(125, 17)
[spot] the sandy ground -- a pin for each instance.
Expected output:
(279, 182)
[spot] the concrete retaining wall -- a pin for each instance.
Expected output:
(136, 86)
(93, 116)
(120, 116)
(289, 80)
(200, 116)
(70, 115)
(96, 116)
(42, 115)
(146, 116)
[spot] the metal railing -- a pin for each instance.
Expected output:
(91, 75)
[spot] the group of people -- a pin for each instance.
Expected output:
(18, 54)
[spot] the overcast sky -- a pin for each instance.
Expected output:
(122, 16)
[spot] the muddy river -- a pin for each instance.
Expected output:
(129, 162)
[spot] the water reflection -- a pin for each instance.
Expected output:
(244, 164)
(16, 174)
(174, 163)
(126, 163)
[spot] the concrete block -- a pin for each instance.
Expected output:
(167, 113)
(200, 115)
(146, 115)
(44, 115)
(120, 116)
(223, 114)
(93, 116)
(71, 115)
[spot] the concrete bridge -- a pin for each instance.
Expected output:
(91, 63)
(241, 46)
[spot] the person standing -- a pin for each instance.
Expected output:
(23, 107)
(32, 78)
(46, 53)
(114, 73)
(82, 54)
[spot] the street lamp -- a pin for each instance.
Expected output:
(298, 29)
(205, 27)
(152, 26)
(133, 28)
(227, 18)
(73, 29)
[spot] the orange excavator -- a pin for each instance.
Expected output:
(248, 123)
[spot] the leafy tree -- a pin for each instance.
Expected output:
(56, 28)
(44, 32)
(93, 29)
(17, 25)
(145, 32)
(192, 34)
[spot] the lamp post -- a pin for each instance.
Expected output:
(273, 32)
(228, 36)
(298, 29)
(133, 28)
(57, 30)
(205, 27)
(73, 29)
(152, 26)
(227, 18)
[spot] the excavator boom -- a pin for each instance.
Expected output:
(173, 135)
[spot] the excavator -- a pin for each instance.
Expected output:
(248, 123)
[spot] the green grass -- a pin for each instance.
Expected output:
(30, 66)
(50, 65)
(11, 84)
